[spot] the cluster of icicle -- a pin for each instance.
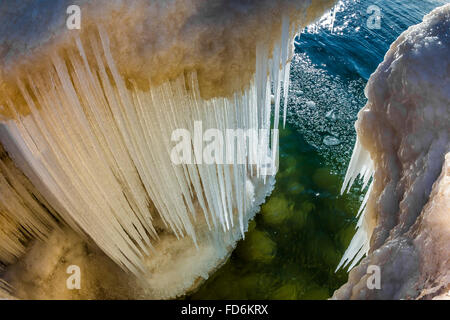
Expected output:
(98, 150)
(360, 165)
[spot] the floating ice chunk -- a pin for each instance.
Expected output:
(331, 141)
(405, 126)
(100, 147)
(310, 104)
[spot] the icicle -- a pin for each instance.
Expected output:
(286, 47)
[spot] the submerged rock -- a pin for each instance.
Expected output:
(258, 247)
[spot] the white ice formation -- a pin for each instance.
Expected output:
(87, 118)
(404, 144)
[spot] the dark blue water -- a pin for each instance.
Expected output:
(350, 48)
(294, 245)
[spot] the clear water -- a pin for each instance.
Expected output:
(294, 245)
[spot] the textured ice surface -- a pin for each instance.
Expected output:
(88, 116)
(24, 213)
(405, 129)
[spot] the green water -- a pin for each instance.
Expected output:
(295, 243)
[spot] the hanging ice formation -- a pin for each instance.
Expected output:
(98, 148)
(24, 213)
